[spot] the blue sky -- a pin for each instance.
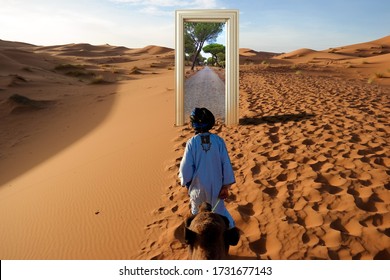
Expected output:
(265, 25)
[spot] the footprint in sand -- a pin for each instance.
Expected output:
(255, 170)
(368, 204)
(282, 177)
(337, 225)
(333, 255)
(274, 129)
(273, 155)
(246, 211)
(326, 186)
(239, 155)
(274, 139)
(376, 220)
(382, 255)
(259, 246)
(174, 208)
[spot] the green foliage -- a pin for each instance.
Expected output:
(196, 34)
(218, 53)
(211, 61)
(214, 49)
(189, 45)
(221, 59)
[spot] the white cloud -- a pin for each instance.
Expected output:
(166, 7)
(155, 11)
(44, 22)
(159, 3)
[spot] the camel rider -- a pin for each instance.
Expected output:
(206, 169)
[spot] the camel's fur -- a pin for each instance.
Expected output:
(208, 235)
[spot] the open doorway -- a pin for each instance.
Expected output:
(229, 18)
(204, 85)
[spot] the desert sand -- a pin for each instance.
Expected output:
(80, 173)
(89, 154)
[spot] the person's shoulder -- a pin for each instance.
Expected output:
(192, 139)
(215, 135)
(217, 138)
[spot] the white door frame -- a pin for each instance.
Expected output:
(230, 17)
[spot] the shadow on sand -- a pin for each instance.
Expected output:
(276, 119)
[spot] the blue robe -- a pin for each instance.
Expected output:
(204, 169)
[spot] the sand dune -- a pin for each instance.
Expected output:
(297, 53)
(10, 44)
(72, 146)
(308, 55)
(367, 49)
(249, 56)
(91, 154)
(155, 50)
(367, 60)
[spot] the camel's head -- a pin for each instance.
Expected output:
(208, 235)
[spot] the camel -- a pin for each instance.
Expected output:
(208, 235)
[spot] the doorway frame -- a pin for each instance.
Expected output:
(230, 17)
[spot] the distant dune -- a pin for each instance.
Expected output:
(249, 56)
(369, 49)
(369, 60)
(154, 50)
